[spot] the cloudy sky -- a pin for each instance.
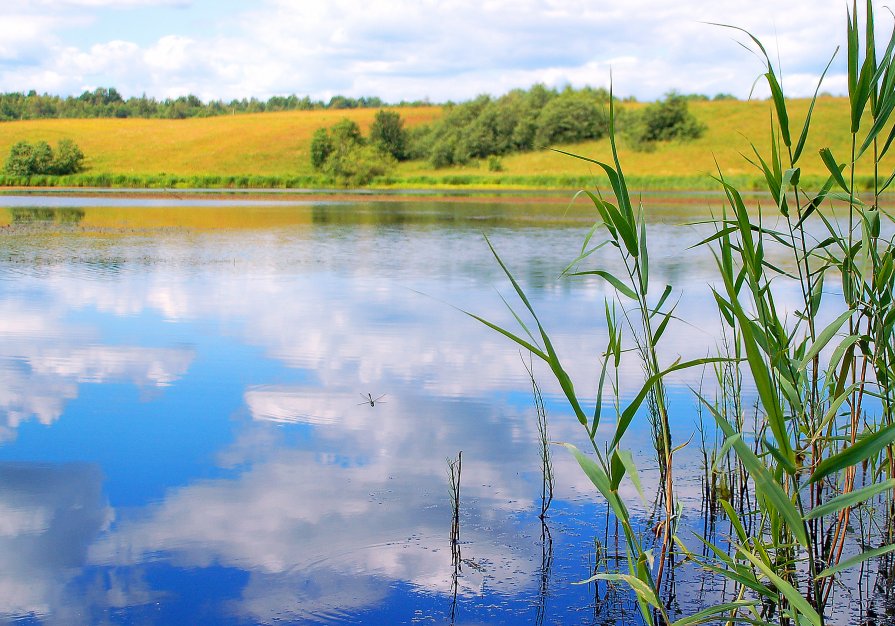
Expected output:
(410, 49)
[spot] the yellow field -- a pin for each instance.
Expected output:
(271, 144)
(277, 144)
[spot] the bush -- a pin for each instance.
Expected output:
(69, 158)
(665, 120)
(570, 119)
(321, 148)
(342, 153)
(37, 159)
(388, 135)
(358, 165)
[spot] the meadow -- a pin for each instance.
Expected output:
(272, 150)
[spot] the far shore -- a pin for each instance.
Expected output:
(463, 194)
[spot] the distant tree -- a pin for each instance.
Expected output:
(345, 135)
(69, 159)
(665, 120)
(334, 143)
(321, 148)
(387, 133)
(27, 159)
(343, 153)
(358, 165)
(341, 102)
(569, 119)
(20, 161)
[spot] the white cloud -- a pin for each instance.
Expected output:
(45, 360)
(407, 49)
(51, 514)
(112, 4)
(303, 522)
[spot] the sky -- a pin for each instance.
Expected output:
(414, 49)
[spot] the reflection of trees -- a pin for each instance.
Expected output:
(60, 215)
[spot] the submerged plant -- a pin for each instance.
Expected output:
(822, 440)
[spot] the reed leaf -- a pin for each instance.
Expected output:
(628, 415)
(734, 520)
(856, 560)
(761, 376)
(868, 444)
(612, 280)
(779, 106)
(627, 458)
(765, 484)
(823, 339)
(849, 499)
(711, 614)
(643, 590)
(803, 136)
(834, 168)
(795, 598)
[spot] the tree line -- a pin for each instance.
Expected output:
(109, 103)
(540, 117)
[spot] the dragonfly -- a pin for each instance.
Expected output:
(369, 399)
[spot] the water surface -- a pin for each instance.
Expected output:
(184, 436)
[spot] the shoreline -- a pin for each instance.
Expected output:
(671, 197)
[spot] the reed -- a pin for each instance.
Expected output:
(548, 480)
(455, 468)
(806, 485)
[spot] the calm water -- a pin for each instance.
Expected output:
(184, 437)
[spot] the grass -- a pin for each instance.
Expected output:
(271, 150)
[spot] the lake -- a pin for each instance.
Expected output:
(242, 412)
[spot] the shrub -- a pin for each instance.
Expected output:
(321, 148)
(342, 153)
(569, 119)
(387, 133)
(665, 120)
(69, 158)
(27, 159)
(358, 165)
(345, 134)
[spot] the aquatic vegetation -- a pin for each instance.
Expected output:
(806, 485)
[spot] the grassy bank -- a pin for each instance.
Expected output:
(271, 150)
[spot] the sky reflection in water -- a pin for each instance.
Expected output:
(183, 436)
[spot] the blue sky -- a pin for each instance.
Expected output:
(410, 49)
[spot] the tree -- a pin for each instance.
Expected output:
(358, 165)
(69, 158)
(321, 148)
(388, 135)
(570, 118)
(342, 152)
(26, 159)
(665, 120)
(346, 133)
